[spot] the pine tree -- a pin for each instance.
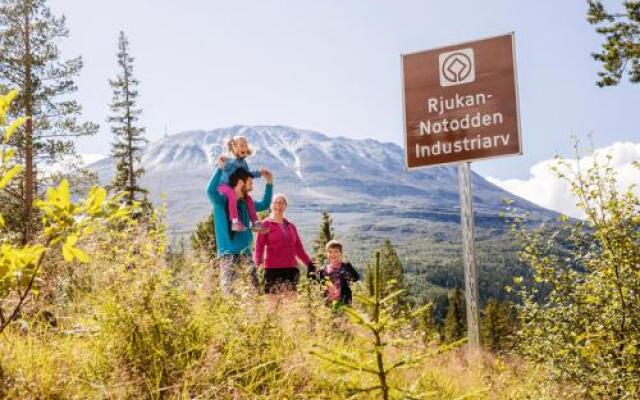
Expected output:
(30, 61)
(325, 234)
(372, 283)
(454, 323)
(621, 51)
(369, 284)
(392, 274)
(428, 325)
(376, 322)
(127, 148)
(497, 325)
(203, 239)
(490, 325)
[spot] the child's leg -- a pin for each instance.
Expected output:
(232, 200)
(251, 207)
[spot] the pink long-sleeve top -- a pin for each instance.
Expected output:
(280, 246)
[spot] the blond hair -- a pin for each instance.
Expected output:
(280, 196)
(333, 244)
(231, 144)
(275, 197)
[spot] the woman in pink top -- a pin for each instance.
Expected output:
(279, 248)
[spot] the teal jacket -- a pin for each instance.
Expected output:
(238, 242)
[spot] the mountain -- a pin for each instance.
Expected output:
(363, 183)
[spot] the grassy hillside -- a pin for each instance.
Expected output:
(130, 324)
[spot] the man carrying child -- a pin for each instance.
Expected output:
(234, 248)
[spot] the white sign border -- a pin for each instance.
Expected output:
(515, 83)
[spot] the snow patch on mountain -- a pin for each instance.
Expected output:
(316, 172)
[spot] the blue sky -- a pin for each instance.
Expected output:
(334, 66)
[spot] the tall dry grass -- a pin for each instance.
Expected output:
(130, 325)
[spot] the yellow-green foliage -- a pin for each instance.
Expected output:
(64, 224)
(581, 312)
(124, 324)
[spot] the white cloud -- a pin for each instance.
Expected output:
(544, 188)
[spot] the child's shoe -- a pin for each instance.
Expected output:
(237, 226)
(258, 227)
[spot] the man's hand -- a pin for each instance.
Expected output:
(268, 176)
(221, 162)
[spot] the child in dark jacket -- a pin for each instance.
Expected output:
(337, 275)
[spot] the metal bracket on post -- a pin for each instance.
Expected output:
(469, 253)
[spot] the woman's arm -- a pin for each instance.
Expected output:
(299, 248)
(261, 243)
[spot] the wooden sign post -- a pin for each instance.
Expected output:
(469, 253)
(461, 104)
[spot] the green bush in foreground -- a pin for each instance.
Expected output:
(65, 223)
(587, 328)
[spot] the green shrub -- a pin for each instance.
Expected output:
(586, 329)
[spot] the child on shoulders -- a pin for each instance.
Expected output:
(239, 149)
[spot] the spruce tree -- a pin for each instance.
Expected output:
(203, 239)
(372, 282)
(129, 140)
(31, 61)
(428, 326)
(490, 325)
(325, 234)
(376, 322)
(454, 323)
(369, 284)
(391, 276)
(392, 271)
(497, 325)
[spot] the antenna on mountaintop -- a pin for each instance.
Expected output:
(166, 132)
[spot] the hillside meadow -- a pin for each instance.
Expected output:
(98, 306)
(131, 323)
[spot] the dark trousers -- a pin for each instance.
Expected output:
(277, 280)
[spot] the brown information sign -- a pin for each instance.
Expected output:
(461, 103)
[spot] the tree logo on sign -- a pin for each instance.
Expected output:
(457, 67)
